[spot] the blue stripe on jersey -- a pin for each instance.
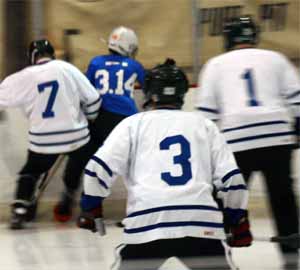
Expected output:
(174, 224)
(173, 207)
(255, 125)
(103, 164)
(89, 113)
(230, 174)
(93, 174)
(237, 187)
(60, 143)
(56, 132)
(94, 102)
(295, 103)
(261, 137)
(207, 110)
(293, 94)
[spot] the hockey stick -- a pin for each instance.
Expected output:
(46, 179)
(292, 240)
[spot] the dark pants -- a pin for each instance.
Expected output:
(38, 164)
(196, 253)
(103, 125)
(275, 164)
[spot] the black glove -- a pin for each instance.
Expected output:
(86, 219)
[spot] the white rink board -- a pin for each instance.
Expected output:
(13, 140)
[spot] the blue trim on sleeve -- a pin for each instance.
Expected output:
(230, 174)
(94, 102)
(88, 202)
(255, 125)
(94, 112)
(172, 207)
(93, 174)
(103, 164)
(293, 94)
(261, 137)
(174, 224)
(237, 187)
(207, 110)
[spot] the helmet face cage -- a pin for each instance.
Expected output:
(241, 30)
(165, 85)
(123, 41)
(38, 48)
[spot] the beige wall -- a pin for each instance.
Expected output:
(163, 27)
(1, 39)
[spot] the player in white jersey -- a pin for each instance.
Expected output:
(171, 162)
(57, 99)
(254, 95)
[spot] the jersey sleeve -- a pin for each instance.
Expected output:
(227, 178)
(290, 85)
(206, 99)
(89, 96)
(110, 161)
(141, 75)
(13, 90)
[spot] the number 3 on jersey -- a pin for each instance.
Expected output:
(182, 159)
(52, 86)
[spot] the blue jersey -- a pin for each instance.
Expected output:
(114, 76)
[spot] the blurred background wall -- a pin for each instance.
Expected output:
(187, 30)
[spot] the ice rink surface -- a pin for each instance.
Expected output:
(51, 246)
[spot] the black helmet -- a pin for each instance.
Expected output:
(39, 48)
(165, 84)
(240, 30)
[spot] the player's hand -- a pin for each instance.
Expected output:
(86, 219)
(240, 234)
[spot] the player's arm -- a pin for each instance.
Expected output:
(90, 73)
(140, 77)
(290, 87)
(89, 96)
(206, 99)
(13, 90)
(110, 161)
(231, 189)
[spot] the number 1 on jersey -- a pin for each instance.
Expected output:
(53, 86)
(248, 76)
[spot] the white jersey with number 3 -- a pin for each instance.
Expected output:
(170, 161)
(56, 98)
(254, 93)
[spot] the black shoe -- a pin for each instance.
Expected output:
(18, 218)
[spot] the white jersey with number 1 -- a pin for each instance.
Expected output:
(254, 94)
(57, 99)
(171, 161)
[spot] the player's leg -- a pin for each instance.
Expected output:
(36, 165)
(75, 165)
(282, 197)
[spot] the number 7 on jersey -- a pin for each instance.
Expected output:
(53, 88)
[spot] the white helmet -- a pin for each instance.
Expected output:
(123, 41)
